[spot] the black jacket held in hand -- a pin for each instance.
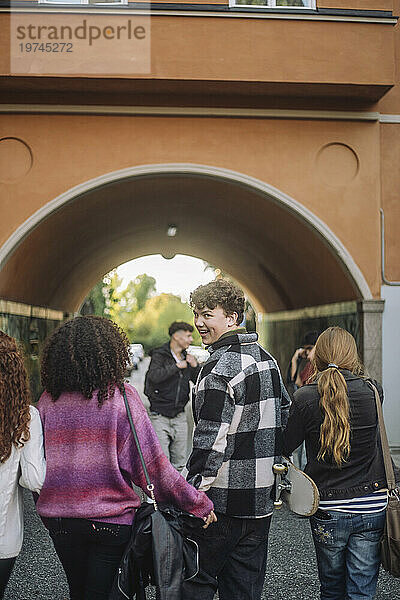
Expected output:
(363, 472)
(160, 552)
(166, 386)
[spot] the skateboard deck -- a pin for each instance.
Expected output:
(295, 488)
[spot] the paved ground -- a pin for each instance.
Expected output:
(291, 573)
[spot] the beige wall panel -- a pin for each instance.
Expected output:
(268, 50)
(4, 44)
(390, 135)
(356, 4)
(272, 50)
(390, 103)
(330, 167)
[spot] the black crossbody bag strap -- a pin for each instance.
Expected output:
(150, 486)
(384, 442)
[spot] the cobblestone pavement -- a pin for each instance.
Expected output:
(291, 573)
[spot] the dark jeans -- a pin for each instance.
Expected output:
(233, 559)
(6, 566)
(348, 554)
(90, 553)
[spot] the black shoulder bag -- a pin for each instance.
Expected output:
(158, 552)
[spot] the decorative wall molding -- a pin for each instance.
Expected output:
(313, 312)
(383, 118)
(225, 14)
(195, 111)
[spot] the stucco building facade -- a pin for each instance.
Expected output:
(269, 134)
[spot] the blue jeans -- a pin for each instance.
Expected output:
(348, 554)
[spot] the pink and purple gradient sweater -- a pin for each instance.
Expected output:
(92, 459)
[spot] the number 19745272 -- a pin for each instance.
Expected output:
(46, 47)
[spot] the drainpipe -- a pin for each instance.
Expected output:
(385, 281)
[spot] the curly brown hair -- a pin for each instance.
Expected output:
(14, 397)
(85, 354)
(222, 293)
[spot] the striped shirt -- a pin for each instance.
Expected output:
(371, 503)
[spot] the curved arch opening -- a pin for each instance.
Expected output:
(280, 252)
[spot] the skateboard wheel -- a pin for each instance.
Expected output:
(279, 469)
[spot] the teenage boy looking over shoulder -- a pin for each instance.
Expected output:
(240, 408)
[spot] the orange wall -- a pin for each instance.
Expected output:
(356, 4)
(390, 103)
(68, 150)
(263, 50)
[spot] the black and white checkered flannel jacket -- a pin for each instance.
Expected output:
(240, 407)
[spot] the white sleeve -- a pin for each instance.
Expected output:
(32, 461)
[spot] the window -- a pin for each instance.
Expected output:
(274, 3)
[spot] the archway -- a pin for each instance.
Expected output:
(283, 254)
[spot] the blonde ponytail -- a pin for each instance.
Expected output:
(335, 349)
(335, 429)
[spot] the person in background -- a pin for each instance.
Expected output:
(336, 416)
(300, 368)
(299, 371)
(87, 500)
(22, 460)
(240, 408)
(167, 387)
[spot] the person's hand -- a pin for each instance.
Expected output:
(191, 360)
(211, 518)
(181, 364)
(299, 353)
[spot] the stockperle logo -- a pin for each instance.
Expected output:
(70, 43)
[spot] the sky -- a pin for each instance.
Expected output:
(179, 275)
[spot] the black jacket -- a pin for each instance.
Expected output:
(160, 551)
(363, 472)
(166, 386)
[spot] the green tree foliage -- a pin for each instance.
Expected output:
(144, 317)
(95, 301)
(125, 304)
(144, 286)
(151, 324)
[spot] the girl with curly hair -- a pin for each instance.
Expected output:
(21, 452)
(87, 501)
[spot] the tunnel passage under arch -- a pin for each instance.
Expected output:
(280, 252)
